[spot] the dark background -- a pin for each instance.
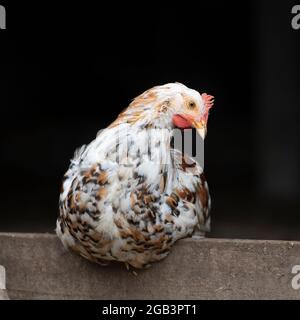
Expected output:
(67, 72)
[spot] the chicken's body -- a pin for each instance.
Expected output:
(122, 202)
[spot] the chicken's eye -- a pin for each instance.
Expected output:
(192, 104)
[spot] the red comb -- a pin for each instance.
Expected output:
(208, 100)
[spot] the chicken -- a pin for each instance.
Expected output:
(128, 196)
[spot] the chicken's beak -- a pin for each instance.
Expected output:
(200, 126)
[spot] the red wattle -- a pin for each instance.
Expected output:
(181, 122)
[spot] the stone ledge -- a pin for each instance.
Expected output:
(38, 267)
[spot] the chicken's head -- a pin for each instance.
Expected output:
(169, 106)
(193, 111)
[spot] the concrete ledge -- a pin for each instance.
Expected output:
(38, 267)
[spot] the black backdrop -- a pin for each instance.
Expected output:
(66, 72)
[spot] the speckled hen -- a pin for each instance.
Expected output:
(128, 196)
